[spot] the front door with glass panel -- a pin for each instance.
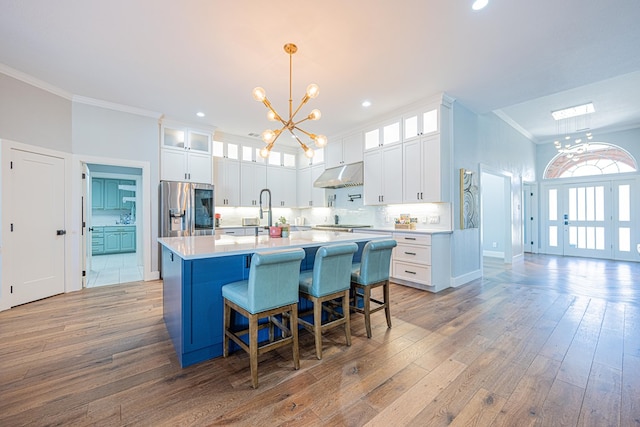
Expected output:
(590, 219)
(587, 220)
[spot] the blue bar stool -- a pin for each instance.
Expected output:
(329, 281)
(372, 272)
(272, 289)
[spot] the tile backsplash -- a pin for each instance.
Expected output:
(348, 205)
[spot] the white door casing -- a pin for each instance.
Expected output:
(37, 217)
(87, 228)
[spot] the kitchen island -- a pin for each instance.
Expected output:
(195, 268)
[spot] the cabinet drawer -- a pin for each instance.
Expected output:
(413, 239)
(413, 253)
(231, 231)
(412, 272)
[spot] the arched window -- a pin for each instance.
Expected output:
(589, 159)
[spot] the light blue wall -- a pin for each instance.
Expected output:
(486, 141)
(465, 244)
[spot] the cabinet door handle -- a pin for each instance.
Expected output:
(409, 238)
(410, 253)
(410, 272)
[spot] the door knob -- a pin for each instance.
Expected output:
(61, 232)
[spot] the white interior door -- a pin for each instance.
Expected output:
(37, 217)
(86, 224)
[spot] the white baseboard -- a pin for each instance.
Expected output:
(154, 275)
(466, 278)
(493, 254)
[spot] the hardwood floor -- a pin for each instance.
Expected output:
(548, 341)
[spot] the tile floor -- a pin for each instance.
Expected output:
(113, 269)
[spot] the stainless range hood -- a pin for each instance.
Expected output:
(350, 175)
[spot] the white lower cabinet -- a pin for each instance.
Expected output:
(412, 258)
(241, 231)
(422, 260)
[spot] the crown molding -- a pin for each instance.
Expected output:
(30, 80)
(116, 107)
(508, 120)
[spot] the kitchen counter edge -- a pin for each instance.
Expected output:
(198, 247)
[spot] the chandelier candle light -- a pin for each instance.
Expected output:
(270, 136)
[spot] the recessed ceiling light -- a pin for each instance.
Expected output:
(366, 104)
(200, 114)
(578, 110)
(479, 4)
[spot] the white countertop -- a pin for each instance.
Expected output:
(196, 247)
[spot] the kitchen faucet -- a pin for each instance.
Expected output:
(270, 216)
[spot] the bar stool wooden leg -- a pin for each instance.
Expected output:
(227, 324)
(253, 349)
(387, 309)
(294, 333)
(317, 326)
(347, 317)
(367, 309)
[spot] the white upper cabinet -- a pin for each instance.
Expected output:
(425, 121)
(182, 139)
(387, 133)
(253, 178)
(421, 171)
(227, 181)
(308, 195)
(186, 155)
(427, 166)
(383, 176)
(318, 157)
(344, 150)
(281, 181)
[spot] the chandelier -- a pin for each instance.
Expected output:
(573, 130)
(270, 136)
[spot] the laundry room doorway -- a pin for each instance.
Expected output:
(113, 237)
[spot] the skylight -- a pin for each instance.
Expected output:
(578, 110)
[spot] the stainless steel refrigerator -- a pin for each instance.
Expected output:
(186, 209)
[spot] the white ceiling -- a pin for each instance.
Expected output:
(522, 59)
